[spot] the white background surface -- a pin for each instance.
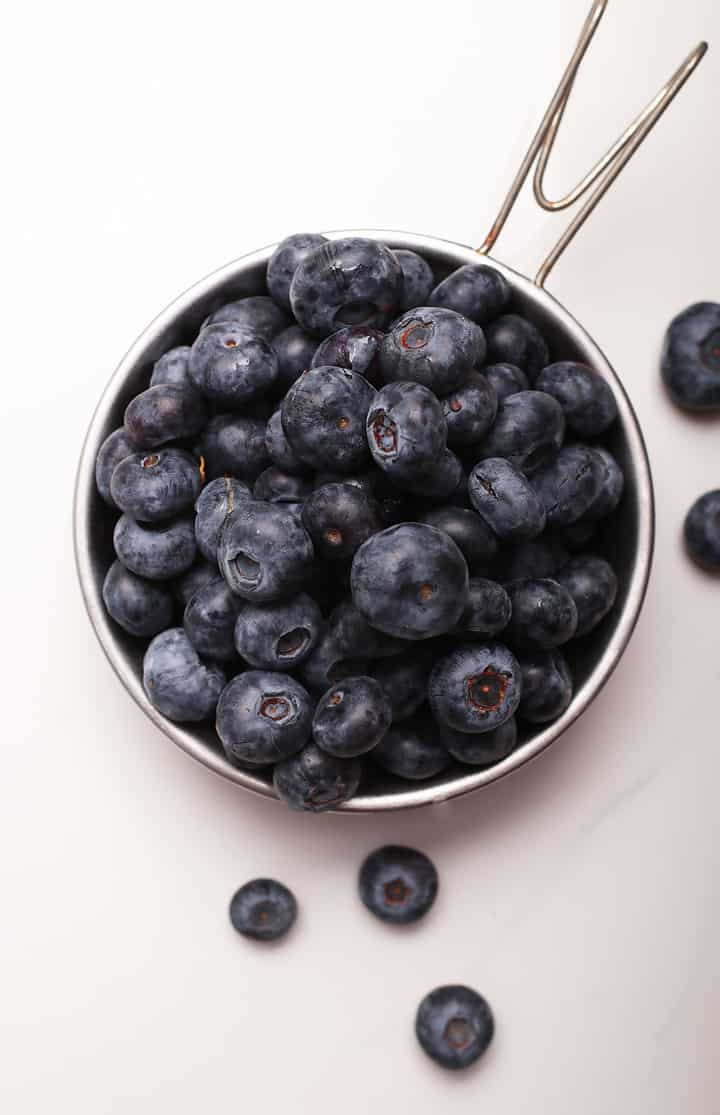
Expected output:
(144, 145)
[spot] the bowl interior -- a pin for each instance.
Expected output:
(626, 538)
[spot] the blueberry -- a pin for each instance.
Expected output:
(569, 484)
(484, 749)
(278, 636)
(417, 279)
(404, 680)
(586, 399)
(330, 662)
(398, 885)
(315, 781)
(263, 910)
(352, 281)
(475, 688)
(339, 518)
(691, 357)
(612, 483)
(406, 429)
(275, 486)
(173, 367)
(504, 498)
(279, 449)
(285, 260)
(357, 638)
(209, 620)
(141, 607)
(323, 416)
(412, 750)
(454, 1026)
(294, 350)
(356, 347)
(528, 429)
(258, 315)
(365, 481)
(593, 586)
(541, 557)
(544, 614)
(264, 553)
(115, 448)
(432, 346)
(469, 532)
(702, 531)
(164, 413)
(234, 445)
(231, 365)
(474, 290)
(156, 486)
(158, 551)
(176, 680)
(200, 574)
(443, 481)
(411, 581)
(470, 410)
(263, 717)
(351, 717)
(515, 340)
(217, 500)
(506, 379)
(546, 686)
(574, 537)
(488, 610)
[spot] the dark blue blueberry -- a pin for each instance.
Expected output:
(612, 483)
(365, 481)
(177, 681)
(200, 574)
(116, 447)
(475, 688)
(546, 686)
(141, 607)
(443, 481)
(231, 365)
(411, 581)
(505, 499)
(351, 717)
(488, 610)
(432, 346)
(691, 357)
(484, 749)
(406, 429)
(470, 410)
(217, 500)
(263, 717)
(398, 885)
(541, 557)
(404, 680)
(173, 367)
(329, 662)
(357, 638)
(356, 347)
(587, 400)
(156, 486)
(158, 551)
(315, 781)
(264, 553)
(469, 532)
(234, 445)
(528, 429)
(164, 413)
(339, 518)
(592, 583)
(506, 379)
(417, 280)
(276, 486)
(352, 281)
(323, 416)
(412, 750)
(285, 260)
(515, 340)
(258, 314)
(569, 484)
(278, 636)
(209, 620)
(294, 349)
(544, 614)
(474, 290)
(263, 910)
(279, 449)
(454, 1026)
(702, 531)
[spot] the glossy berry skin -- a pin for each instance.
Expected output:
(200, 574)
(257, 314)
(339, 518)
(417, 280)
(330, 662)
(173, 367)
(488, 610)
(544, 614)
(159, 552)
(217, 500)
(593, 586)
(142, 608)
(406, 429)
(323, 416)
(357, 639)
(352, 281)
(478, 292)
(397, 884)
(702, 531)
(454, 1026)
(279, 449)
(116, 447)
(314, 781)
(691, 357)
(294, 350)
(276, 486)
(568, 485)
(586, 399)
(156, 486)
(529, 427)
(263, 910)
(469, 532)
(176, 680)
(209, 620)
(411, 581)
(515, 340)
(475, 688)
(231, 365)
(264, 553)
(234, 445)
(263, 717)
(164, 413)
(285, 260)
(432, 346)
(504, 498)
(547, 686)
(483, 749)
(506, 379)
(412, 750)
(356, 347)
(278, 636)
(404, 680)
(541, 557)
(351, 717)
(612, 484)
(470, 410)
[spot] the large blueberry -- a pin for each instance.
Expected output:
(263, 717)
(546, 686)
(484, 749)
(544, 614)
(592, 583)
(506, 379)
(475, 688)
(286, 259)
(612, 483)
(528, 429)
(279, 449)
(454, 1026)
(412, 750)
(164, 413)
(258, 314)
(177, 681)
(329, 662)
(217, 500)
(323, 416)
(404, 680)
(417, 279)
(352, 281)
(156, 486)
(231, 365)
(173, 367)
(209, 620)
(355, 347)
(276, 486)
(198, 575)
(702, 531)
(469, 532)
(432, 346)
(474, 290)
(504, 498)
(263, 910)
(515, 340)
(568, 484)
(488, 609)
(315, 781)
(691, 357)
(264, 553)
(339, 518)
(115, 448)
(234, 445)
(141, 607)
(406, 429)
(397, 884)
(294, 349)
(158, 551)
(278, 636)
(357, 638)
(587, 400)
(470, 410)
(351, 717)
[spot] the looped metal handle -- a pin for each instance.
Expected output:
(609, 166)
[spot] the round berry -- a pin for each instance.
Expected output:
(397, 884)
(454, 1026)
(263, 910)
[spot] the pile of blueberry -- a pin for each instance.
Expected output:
(376, 500)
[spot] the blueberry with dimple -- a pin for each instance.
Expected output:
(475, 688)
(209, 620)
(412, 750)
(142, 608)
(280, 635)
(357, 638)
(483, 749)
(286, 259)
(351, 717)
(294, 349)
(115, 448)
(257, 314)
(200, 574)
(702, 531)
(454, 1026)
(586, 398)
(158, 551)
(417, 279)
(234, 445)
(176, 680)
(264, 553)
(469, 532)
(173, 367)
(569, 484)
(263, 910)
(488, 609)
(339, 518)
(279, 449)
(512, 339)
(470, 410)
(275, 486)
(217, 500)
(593, 585)
(544, 614)
(474, 290)
(612, 484)
(506, 379)
(397, 884)
(540, 557)
(547, 686)
(411, 581)
(231, 365)
(351, 281)
(529, 427)
(691, 357)
(263, 717)
(323, 416)
(157, 485)
(432, 346)
(406, 429)
(356, 347)
(165, 413)
(315, 781)
(404, 680)
(504, 498)
(330, 662)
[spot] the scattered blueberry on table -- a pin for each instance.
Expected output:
(397, 884)
(702, 531)
(691, 357)
(263, 910)
(454, 1026)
